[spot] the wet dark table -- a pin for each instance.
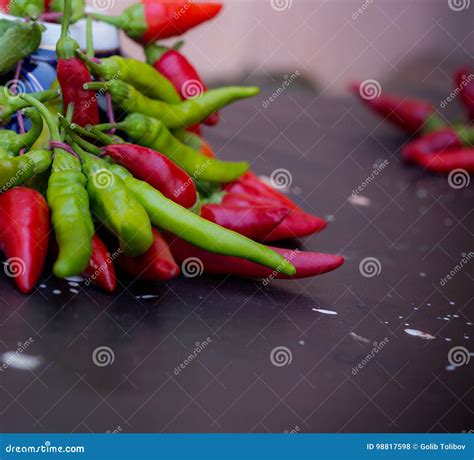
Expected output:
(263, 358)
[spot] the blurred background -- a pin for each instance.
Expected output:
(329, 42)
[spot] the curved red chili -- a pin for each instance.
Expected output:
(448, 161)
(464, 81)
(101, 271)
(24, 232)
(156, 264)
(307, 263)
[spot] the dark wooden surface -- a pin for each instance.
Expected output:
(414, 224)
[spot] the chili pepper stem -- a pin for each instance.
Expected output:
(90, 45)
(94, 66)
(114, 20)
(52, 126)
(95, 86)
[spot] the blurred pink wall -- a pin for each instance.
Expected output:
(327, 41)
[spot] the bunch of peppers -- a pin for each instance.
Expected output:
(149, 200)
(434, 144)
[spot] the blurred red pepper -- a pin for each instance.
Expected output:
(156, 264)
(448, 161)
(153, 20)
(101, 271)
(411, 115)
(464, 82)
(307, 263)
(176, 67)
(24, 233)
(254, 222)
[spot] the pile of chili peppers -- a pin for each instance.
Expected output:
(148, 200)
(434, 144)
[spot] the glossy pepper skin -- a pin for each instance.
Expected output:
(24, 230)
(101, 271)
(152, 133)
(437, 142)
(72, 74)
(464, 81)
(157, 264)
(15, 171)
(154, 20)
(448, 161)
(177, 68)
(307, 264)
(69, 205)
(182, 115)
(254, 222)
(139, 75)
(14, 142)
(175, 219)
(195, 141)
(413, 116)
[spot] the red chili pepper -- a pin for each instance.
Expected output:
(101, 271)
(176, 67)
(298, 224)
(254, 222)
(464, 81)
(448, 161)
(438, 142)
(72, 75)
(307, 263)
(24, 230)
(156, 264)
(153, 20)
(411, 115)
(156, 169)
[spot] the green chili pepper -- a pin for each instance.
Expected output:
(172, 217)
(15, 171)
(26, 8)
(9, 104)
(153, 133)
(18, 42)
(114, 206)
(140, 75)
(77, 8)
(69, 204)
(14, 142)
(182, 115)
